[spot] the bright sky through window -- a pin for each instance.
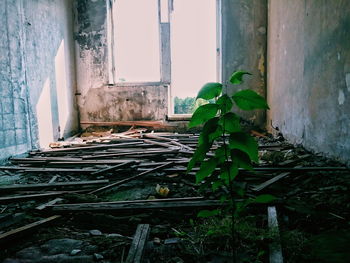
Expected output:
(136, 39)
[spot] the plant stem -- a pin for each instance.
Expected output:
(230, 189)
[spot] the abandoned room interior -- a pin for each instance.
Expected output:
(174, 131)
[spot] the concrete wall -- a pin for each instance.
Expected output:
(36, 72)
(309, 73)
(244, 47)
(97, 100)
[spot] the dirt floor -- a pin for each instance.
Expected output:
(111, 196)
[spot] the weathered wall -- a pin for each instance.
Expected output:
(98, 101)
(309, 73)
(126, 103)
(36, 51)
(244, 47)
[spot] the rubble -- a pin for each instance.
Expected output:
(115, 182)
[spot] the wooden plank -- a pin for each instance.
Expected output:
(52, 202)
(154, 124)
(140, 205)
(275, 246)
(12, 234)
(269, 182)
(112, 168)
(130, 178)
(267, 169)
(18, 187)
(294, 161)
(149, 152)
(87, 147)
(138, 245)
(47, 170)
(18, 198)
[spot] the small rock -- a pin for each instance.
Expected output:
(156, 241)
(98, 256)
(95, 232)
(75, 252)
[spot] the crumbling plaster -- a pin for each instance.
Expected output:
(308, 73)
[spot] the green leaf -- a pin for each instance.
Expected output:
(209, 128)
(228, 172)
(220, 153)
(237, 77)
(206, 169)
(203, 114)
(210, 91)
(208, 213)
(216, 185)
(225, 103)
(216, 134)
(263, 199)
(241, 159)
(230, 122)
(199, 155)
(244, 142)
(249, 100)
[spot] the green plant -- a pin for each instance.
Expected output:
(237, 149)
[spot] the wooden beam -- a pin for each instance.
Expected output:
(155, 124)
(270, 181)
(275, 246)
(12, 234)
(112, 168)
(138, 245)
(130, 178)
(19, 187)
(139, 205)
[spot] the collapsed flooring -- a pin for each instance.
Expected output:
(117, 197)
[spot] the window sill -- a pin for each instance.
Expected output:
(179, 117)
(137, 84)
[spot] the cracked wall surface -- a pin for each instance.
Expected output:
(308, 73)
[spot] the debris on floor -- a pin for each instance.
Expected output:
(111, 197)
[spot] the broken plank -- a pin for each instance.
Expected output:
(52, 202)
(12, 234)
(138, 245)
(294, 161)
(149, 152)
(275, 247)
(88, 147)
(130, 178)
(112, 168)
(140, 205)
(267, 169)
(18, 198)
(18, 187)
(269, 182)
(39, 170)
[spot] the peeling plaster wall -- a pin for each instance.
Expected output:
(244, 47)
(31, 34)
(98, 101)
(309, 73)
